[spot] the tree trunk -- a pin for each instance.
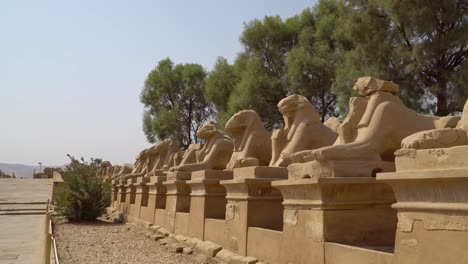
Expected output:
(442, 98)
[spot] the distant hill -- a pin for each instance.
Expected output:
(20, 170)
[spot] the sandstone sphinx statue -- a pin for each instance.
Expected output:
(187, 156)
(140, 166)
(302, 130)
(369, 136)
(436, 148)
(163, 157)
(252, 145)
(105, 169)
(119, 171)
(215, 153)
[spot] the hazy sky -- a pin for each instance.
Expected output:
(71, 71)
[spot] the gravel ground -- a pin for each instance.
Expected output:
(102, 242)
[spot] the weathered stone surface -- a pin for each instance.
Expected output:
(215, 153)
(385, 122)
(429, 159)
(208, 248)
(437, 138)
(342, 168)
(432, 212)
(156, 237)
(227, 256)
(187, 250)
(117, 217)
(252, 144)
(442, 148)
(163, 153)
(261, 172)
(302, 131)
(368, 85)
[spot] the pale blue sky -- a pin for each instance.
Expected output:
(71, 71)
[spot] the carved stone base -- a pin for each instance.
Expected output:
(333, 168)
(432, 210)
(432, 159)
(135, 204)
(352, 211)
(177, 200)
(252, 202)
(260, 172)
(207, 199)
(179, 175)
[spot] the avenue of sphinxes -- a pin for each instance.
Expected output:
(385, 186)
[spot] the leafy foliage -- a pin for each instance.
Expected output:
(175, 104)
(83, 195)
(219, 86)
(422, 45)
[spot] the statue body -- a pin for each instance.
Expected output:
(302, 130)
(163, 155)
(215, 153)
(373, 130)
(140, 167)
(442, 148)
(252, 144)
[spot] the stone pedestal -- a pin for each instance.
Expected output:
(130, 195)
(338, 168)
(114, 196)
(135, 205)
(207, 199)
(352, 211)
(432, 210)
(153, 196)
(121, 198)
(252, 202)
(177, 197)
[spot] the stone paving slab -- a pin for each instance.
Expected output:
(25, 190)
(22, 236)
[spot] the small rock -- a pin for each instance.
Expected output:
(193, 241)
(208, 248)
(164, 241)
(156, 237)
(163, 231)
(224, 255)
(180, 238)
(187, 250)
(179, 249)
(117, 217)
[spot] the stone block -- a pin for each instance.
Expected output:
(208, 248)
(334, 168)
(211, 175)
(431, 159)
(261, 172)
(179, 175)
(156, 237)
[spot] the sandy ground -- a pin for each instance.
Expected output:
(102, 242)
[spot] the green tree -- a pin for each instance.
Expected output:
(263, 80)
(174, 100)
(83, 195)
(311, 65)
(219, 86)
(422, 45)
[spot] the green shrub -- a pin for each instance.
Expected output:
(83, 196)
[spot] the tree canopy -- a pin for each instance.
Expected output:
(174, 100)
(421, 45)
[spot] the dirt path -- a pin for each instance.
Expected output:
(102, 242)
